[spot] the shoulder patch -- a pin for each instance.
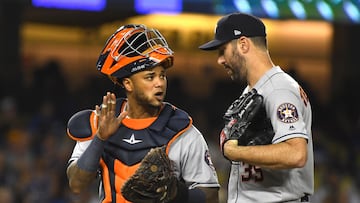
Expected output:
(82, 125)
(208, 160)
(287, 113)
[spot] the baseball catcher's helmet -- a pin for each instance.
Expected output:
(133, 48)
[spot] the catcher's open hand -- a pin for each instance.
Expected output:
(108, 123)
(153, 181)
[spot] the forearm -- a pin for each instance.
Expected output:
(79, 179)
(260, 156)
(285, 155)
(82, 171)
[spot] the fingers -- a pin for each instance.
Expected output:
(107, 109)
(111, 102)
(104, 106)
(97, 110)
(108, 105)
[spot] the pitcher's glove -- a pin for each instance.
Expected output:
(246, 121)
(153, 181)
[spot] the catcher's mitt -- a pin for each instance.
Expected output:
(245, 121)
(153, 181)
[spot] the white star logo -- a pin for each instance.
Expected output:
(132, 140)
(288, 113)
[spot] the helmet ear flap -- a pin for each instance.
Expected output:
(116, 81)
(101, 60)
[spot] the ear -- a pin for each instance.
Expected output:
(127, 84)
(243, 44)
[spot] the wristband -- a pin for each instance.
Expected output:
(89, 160)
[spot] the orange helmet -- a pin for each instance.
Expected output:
(133, 48)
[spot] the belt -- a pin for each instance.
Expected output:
(305, 198)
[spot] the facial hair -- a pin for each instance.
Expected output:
(237, 63)
(145, 101)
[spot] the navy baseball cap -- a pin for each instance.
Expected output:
(233, 26)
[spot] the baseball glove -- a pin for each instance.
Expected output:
(153, 181)
(246, 121)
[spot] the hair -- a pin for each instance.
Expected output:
(233, 42)
(260, 42)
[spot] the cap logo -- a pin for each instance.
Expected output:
(237, 32)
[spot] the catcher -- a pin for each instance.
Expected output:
(142, 148)
(267, 133)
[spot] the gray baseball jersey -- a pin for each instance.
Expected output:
(190, 154)
(289, 109)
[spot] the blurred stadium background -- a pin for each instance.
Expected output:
(48, 51)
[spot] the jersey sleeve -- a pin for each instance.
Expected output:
(192, 158)
(285, 109)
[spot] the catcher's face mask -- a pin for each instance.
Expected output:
(133, 48)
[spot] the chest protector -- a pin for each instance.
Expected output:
(125, 149)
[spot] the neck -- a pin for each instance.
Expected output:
(260, 66)
(137, 111)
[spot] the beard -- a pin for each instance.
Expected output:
(237, 64)
(146, 101)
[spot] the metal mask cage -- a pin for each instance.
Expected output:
(140, 41)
